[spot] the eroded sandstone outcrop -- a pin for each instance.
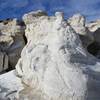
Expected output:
(54, 64)
(11, 41)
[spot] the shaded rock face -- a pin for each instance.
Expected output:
(94, 47)
(11, 41)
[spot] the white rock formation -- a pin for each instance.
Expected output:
(54, 63)
(78, 23)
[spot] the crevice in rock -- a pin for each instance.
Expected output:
(25, 39)
(22, 24)
(3, 61)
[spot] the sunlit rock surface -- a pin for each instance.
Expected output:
(54, 64)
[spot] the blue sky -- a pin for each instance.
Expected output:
(16, 8)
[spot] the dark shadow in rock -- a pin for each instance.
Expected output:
(25, 39)
(6, 21)
(97, 35)
(94, 49)
(85, 40)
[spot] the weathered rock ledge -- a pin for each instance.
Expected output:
(58, 61)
